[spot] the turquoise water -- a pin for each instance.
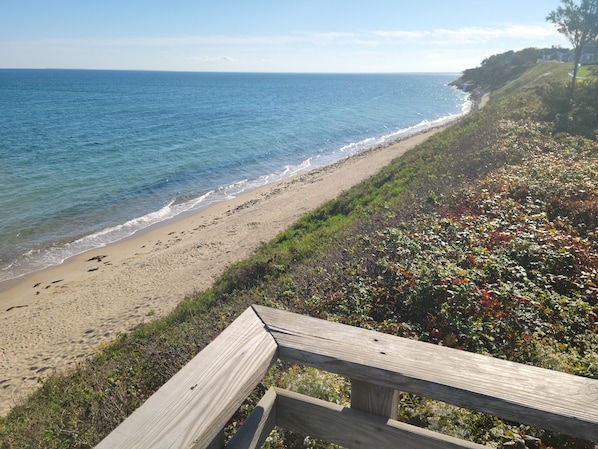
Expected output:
(90, 157)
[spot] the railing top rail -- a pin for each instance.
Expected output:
(191, 408)
(514, 391)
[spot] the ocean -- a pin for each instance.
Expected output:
(91, 157)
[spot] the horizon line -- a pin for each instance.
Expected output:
(415, 72)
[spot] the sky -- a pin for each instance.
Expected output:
(319, 36)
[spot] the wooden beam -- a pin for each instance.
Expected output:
(195, 405)
(218, 441)
(354, 429)
(258, 425)
(370, 398)
(548, 399)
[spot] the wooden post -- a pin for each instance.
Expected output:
(258, 425)
(217, 442)
(374, 399)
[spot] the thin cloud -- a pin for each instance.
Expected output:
(459, 36)
(469, 35)
(212, 59)
(321, 39)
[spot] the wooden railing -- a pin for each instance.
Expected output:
(191, 409)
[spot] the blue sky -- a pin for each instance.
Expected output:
(270, 35)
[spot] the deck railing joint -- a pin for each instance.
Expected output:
(195, 405)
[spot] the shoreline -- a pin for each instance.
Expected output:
(56, 317)
(51, 254)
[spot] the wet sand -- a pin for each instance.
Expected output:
(53, 318)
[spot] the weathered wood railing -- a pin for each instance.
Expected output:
(191, 409)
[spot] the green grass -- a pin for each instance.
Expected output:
(482, 238)
(587, 71)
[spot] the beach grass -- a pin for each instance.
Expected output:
(463, 241)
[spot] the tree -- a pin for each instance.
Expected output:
(579, 24)
(497, 70)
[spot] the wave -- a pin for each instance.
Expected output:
(59, 252)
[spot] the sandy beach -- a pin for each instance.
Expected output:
(52, 319)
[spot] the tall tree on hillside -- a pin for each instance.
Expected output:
(579, 24)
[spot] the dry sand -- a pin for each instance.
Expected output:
(54, 318)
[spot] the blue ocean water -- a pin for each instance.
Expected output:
(90, 157)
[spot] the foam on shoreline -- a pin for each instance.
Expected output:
(58, 253)
(53, 318)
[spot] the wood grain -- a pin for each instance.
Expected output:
(370, 398)
(354, 429)
(258, 425)
(548, 399)
(192, 408)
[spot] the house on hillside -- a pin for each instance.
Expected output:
(557, 54)
(589, 55)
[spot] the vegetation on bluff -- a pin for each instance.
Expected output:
(484, 238)
(497, 70)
